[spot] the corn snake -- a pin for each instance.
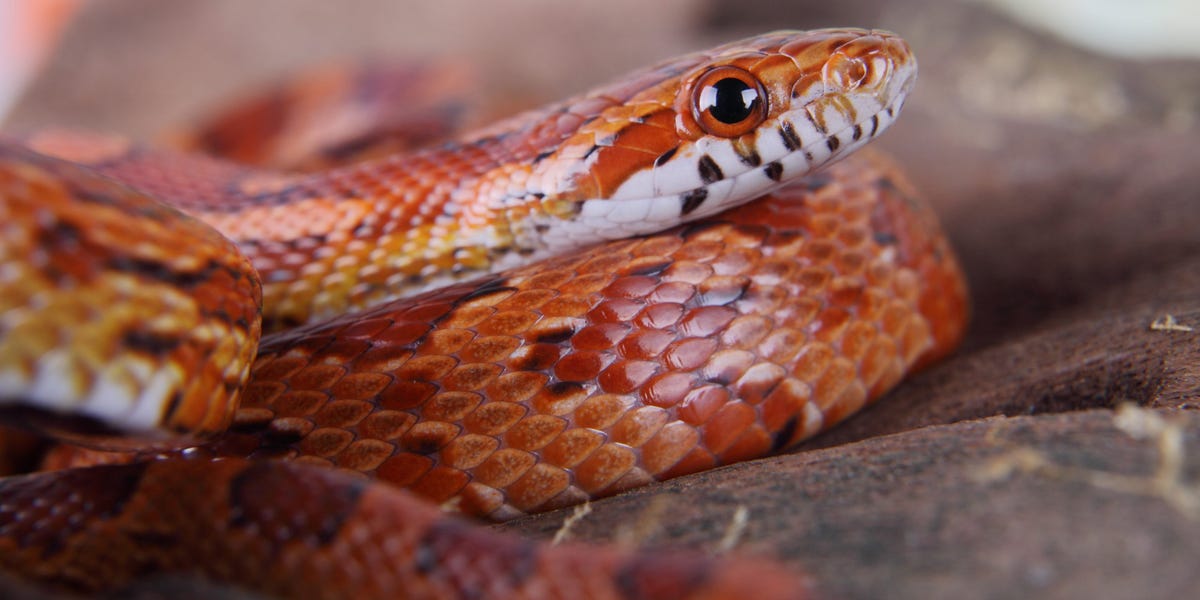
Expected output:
(594, 370)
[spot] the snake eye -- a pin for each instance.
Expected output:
(728, 102)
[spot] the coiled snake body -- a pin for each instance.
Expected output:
(519, 337)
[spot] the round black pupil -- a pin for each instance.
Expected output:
(731, 100)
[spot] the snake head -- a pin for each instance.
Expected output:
(694, 136)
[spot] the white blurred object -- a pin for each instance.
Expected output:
(28, 31)
(1131, 28)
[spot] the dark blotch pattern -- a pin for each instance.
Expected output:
(791, 141)
(774, 170)
(693, 199)
(710, 171)
(285, 504)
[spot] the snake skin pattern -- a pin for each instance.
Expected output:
(528, 342)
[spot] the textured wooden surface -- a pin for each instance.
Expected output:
(1067, 182)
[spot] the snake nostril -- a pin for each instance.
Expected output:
(845, 72)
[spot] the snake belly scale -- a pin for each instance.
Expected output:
(633, 284)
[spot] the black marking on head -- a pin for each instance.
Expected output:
(791, 140)
(692, 200)
(874, 125)
(591, 150)
(833, 143)
(891, 112)
(780, 439)
(542, 156)
(541, 228)
(774, 170)
(808, 156)
(665, 156)
(710, 171)
(857, 133)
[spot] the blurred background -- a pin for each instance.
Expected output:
(1057, 140)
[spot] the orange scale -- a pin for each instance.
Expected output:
(630, 287)
(758, 381)
(492, 348)
(614, 310)
(316, 377)
(586, 283)
(688, 354)
(658, 247)
(638, 425)
(829, 325)
(440, 484)
(402, 395)
(537, 487)
(828, 388)
(360, 386)
(727, 425)
(728, 365)
(746, 331)
(508, 322)
(572, 447)
(446, 341)
(670, 445)
(469, 451)
(464, 317)
(579, 366)
(705, 321)
(325, 442)
(782, 345)
(504, 467)
(569, 306)
(364, 455)
(785, 403)
(382, 358)
(298, 403)
(494, 418)
(470, 377)
(626, 376)
(559, 398)
(534, 432)
(479, 499)
(450, 406)
(645, 344)
(753, 443)
(386, 425)
(601, 336)
(667, 389)
(342, 413)
(426, 368)
(426, 437)
(659, 316)
(528, 299)
(674, 292)
(605, 466)
(602, 411)
(702, 403)
(517, 386)
(686, 271)
(277, 367)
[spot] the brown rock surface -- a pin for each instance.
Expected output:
(1068, 182)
